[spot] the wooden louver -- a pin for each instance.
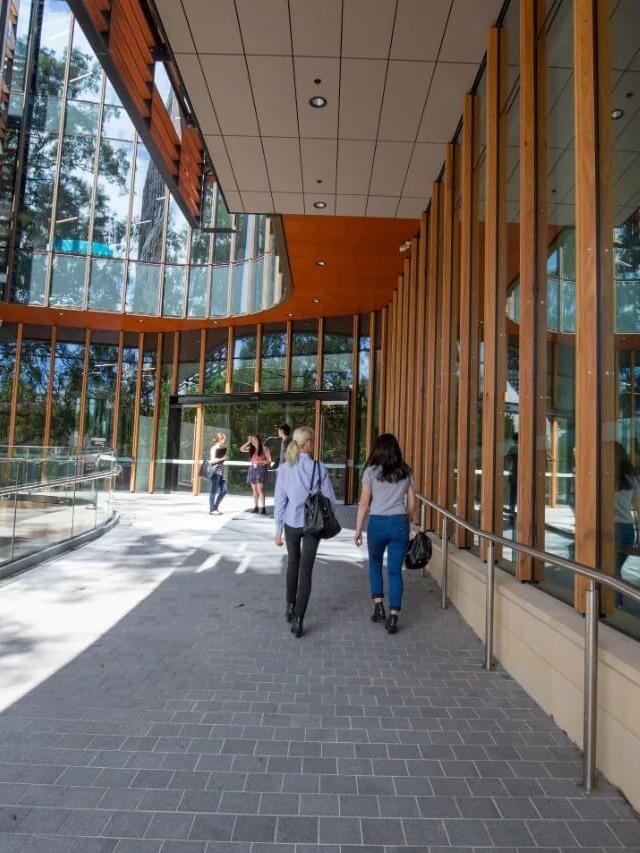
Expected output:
(123, 35)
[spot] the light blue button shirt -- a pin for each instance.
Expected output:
(292, 488)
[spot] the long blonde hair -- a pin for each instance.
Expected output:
(301, 436)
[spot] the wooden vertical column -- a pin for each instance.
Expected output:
(398, 359)
(257, 380)
(230, 344)
(320, 355)
(371, 384)
(384, 355)
(533, 248)
(391, 368)
(404, 350)
(287, 358)
(353, 408)
(430, 466)
(467, 323)
(594, 356)
(446, 328)
(492, 302)
(15, 387)
(412, 367)
(175, 365)
(153, 450)
(49, 400)
(420, 348)
(115, 426)
(83, 392)
(199, 422)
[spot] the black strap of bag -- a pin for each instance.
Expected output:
(319, 518)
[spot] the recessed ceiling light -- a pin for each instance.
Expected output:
(320, 204)
(617, 114)
(318, 102)
(317, 81)
(318, 180)
(315, 300)
(289, 315)
(321, 263)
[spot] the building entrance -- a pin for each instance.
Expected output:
(194, 420)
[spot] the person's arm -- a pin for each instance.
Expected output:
(267, 455)
(245, 447)
(363, 506)
(411, 500)
(280, 501)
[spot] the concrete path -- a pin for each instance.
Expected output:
(152, 699)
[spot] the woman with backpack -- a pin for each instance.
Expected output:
(388, 492)
(297, 478)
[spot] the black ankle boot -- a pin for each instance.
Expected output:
(255, 510)
(264, 510)
(290, 612)
(378, 614)
(392, 623)
(296, 628)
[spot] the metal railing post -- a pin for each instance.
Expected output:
(591, 685)
(489, 607)
(423, 516)
(445, 559)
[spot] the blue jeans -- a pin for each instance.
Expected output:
(217, 493)
(390, 532)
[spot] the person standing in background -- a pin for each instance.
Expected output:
(284, 434)
(259, 461)
(217, 458)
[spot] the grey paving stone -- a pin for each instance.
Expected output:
(254, 828)
(128, 824)
(297, 830)
(340, 830)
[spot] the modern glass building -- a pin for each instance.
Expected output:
(378, 230)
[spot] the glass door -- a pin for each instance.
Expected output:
(334, 447)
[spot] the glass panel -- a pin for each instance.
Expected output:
(7, 364)
(101, 390)
(67, 281)
(189, 364)
(333, 444)
(34, 219)
(143, 288)
(112, 199)
(67, 388)
(274, 351)
(85, 72)
(163, 454)
(29, 275)
(364, 349)
(147, 215)
(177, 235)
(174, 291)
(619, 493)
(33, 384)
(241, 287)
(71, 228)
(105, 285)
(244, 359)
(128, 379)
(52, 49)
(304, 355)
(198, 288)
(146, 412)
(257, 285)
(216, 362)
(116, 124)
(555, 41)
(338, 358)
(509, 243)
(220, 292)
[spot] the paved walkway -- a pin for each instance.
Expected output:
(154, 701)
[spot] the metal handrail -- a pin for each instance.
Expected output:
(62, 481)
(595, 578)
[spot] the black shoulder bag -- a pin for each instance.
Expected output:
(319, 518)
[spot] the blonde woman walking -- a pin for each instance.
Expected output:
(293, 485)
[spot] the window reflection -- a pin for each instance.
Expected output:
(274, 352)
(304, 355)
(67, 388)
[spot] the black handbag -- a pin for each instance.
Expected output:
(418, 552)
(319, 518)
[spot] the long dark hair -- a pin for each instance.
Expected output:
(387, 456)
(626, 474)
(259, 450)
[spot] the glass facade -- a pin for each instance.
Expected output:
(95, 226)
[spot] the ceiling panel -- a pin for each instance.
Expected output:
(411, 208)
(274, 94)
(247, 159)
(426, 162)
(221, 162)
(257, 202)
(382, 205)
(224, 37)
(176, 23)
(228, 83)
(404, 98)
(466, 36)
(234, 202)
(329, 210)
(419, 29)
(361, 90)
(390, 167)
(323, 123)
(189, 65)
(442, 113)
(316, 27)
(319, 164)
(355, 161)
(367, 28)
(351, 205)
(265, 26)
(283, 164)
(288, 202)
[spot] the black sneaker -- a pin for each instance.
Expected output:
(392, 623)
